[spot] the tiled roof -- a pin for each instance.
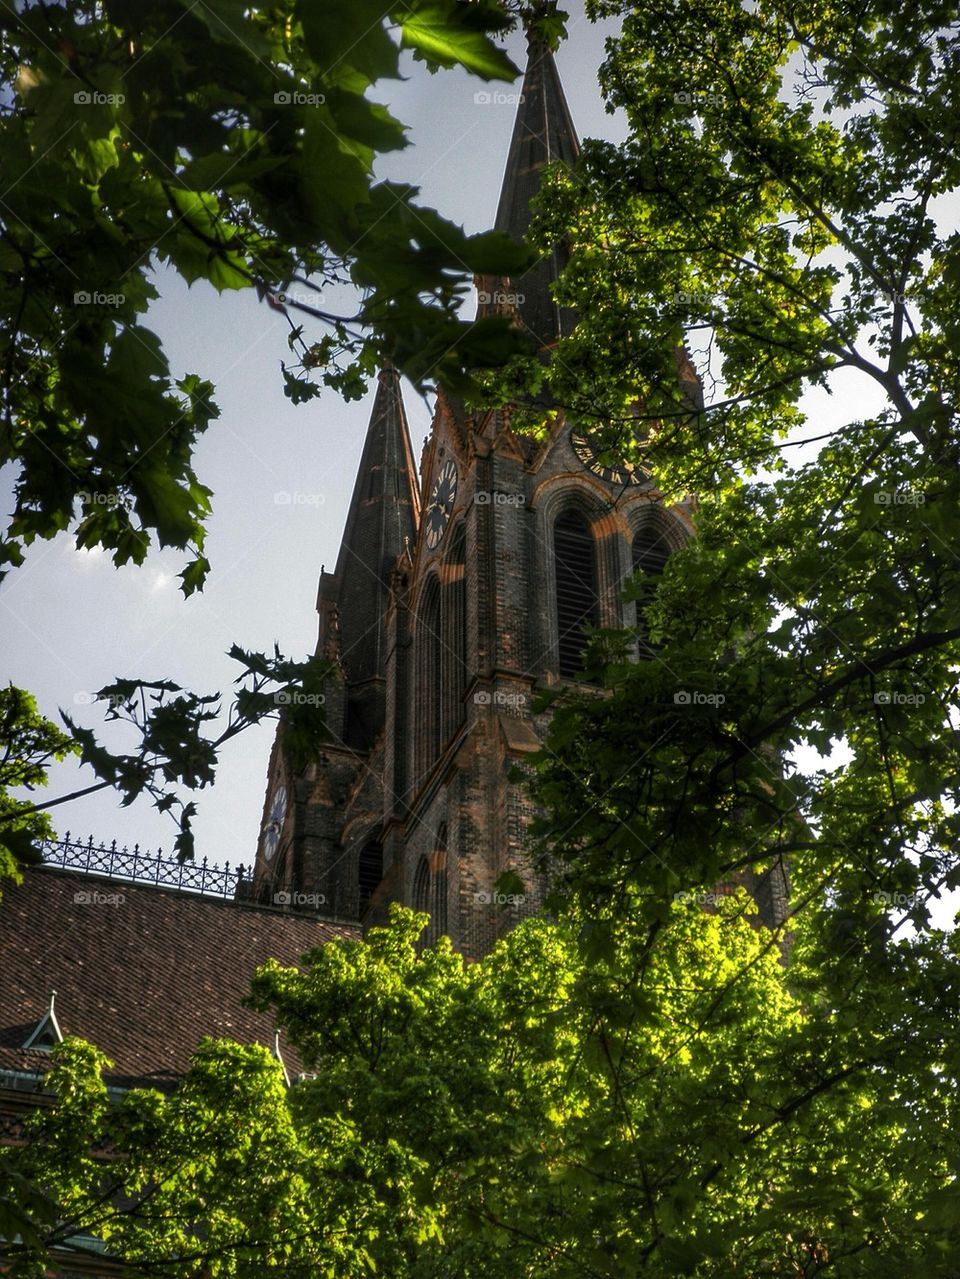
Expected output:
(144, 974)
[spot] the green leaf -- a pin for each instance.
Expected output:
(349, 33)
(194, 575)
(446, 38)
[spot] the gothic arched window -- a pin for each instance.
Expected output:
(439, 921)
(454, 632)
(430, 889)
(650, 552)
(369, 874)
(421, 886)
(428, 710)
(421, 898)
(576, 582)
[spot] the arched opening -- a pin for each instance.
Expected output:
(428, 712)
(650, 552)
(430, 889)
(454, 632)
(438, 924)
(576, 583)
(369, 874)
(421, 890)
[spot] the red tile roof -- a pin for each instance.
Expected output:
(142, 972)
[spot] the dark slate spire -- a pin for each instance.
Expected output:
(382, 519)
(543, 133)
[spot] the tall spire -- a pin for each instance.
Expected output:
(543, 133)
(382, 520)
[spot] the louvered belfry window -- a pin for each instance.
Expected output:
(576, 580)
(650, 553)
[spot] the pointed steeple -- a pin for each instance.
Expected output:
(382, 520)
(543, 133)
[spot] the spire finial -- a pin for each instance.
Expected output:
(543, 134)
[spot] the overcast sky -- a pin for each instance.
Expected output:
(281, 476)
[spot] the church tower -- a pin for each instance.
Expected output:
(454, 599)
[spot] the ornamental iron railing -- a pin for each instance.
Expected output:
(138, 867)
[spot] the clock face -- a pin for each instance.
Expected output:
(440, 505)
(271, 832)
(623, 475)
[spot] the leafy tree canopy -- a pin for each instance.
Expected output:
(29, 744)
(783, 214)
(540, 1113)
(778, 200)
(234, 144)
(645, 1085)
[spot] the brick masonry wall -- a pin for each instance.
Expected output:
(506, 506)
